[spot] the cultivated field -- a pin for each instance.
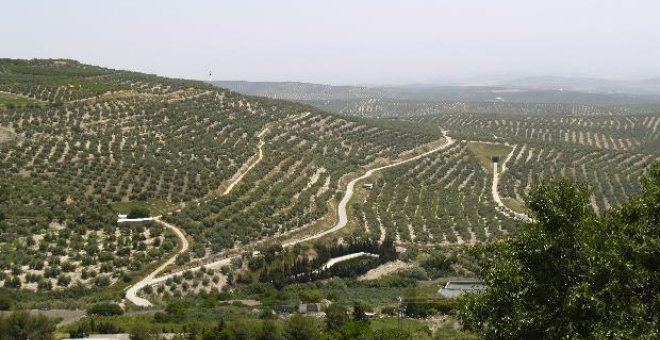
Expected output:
(85, 143)
(79, 144)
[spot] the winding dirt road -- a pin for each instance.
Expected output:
(343, 218)
(496, 180)
(335, 260)
(131, 293)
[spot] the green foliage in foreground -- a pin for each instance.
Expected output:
(573, 274)
(300, 327)
(21, 325)
(202, 320)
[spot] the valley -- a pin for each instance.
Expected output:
(242, 198)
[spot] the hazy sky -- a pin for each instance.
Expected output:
(342, 42)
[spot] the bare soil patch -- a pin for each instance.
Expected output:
(6, 135)
(384, 269)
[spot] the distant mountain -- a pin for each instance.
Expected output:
(302, 91)
(527, 90)
(590, 85)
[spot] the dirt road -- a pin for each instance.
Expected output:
(131, 293)
(343, 218)
(496, 179)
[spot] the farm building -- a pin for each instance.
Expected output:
(368, 186)
(521, 218)
(454, 289)
(104, 337)
(310, 308)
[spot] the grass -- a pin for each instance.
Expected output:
(7, 99)
(484, 153)
(208, 317)
(514, 204)
(156, 206)
(125, 207)
(449, 332)
(410, 325)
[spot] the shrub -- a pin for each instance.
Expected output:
(102, 281)
(5, 302)
(161, 317)
(63, 280)
(105, 309)
(138, 212)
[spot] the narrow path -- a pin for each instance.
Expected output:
(260, 152)
(496, 179)
(131, 293)
(333, 261)
(142, 219)
(343, 218)
(251, 166)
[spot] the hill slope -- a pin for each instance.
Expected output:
(87, 142)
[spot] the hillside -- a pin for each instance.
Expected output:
(82, 143)
(226, 179)
(605, 147)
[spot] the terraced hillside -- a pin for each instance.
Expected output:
(612, 175)
(305, 160)
(392, 107)
(579, 135)
(442, 199)
(616, 132)
(607, 152)
(79, 144)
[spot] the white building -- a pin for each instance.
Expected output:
(454, 289)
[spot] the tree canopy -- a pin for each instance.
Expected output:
(23, 325)
(572, 273)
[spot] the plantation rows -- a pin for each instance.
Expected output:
(201, 280)
(61, 81)
(442, 198)
(621, 133)
(70, 255)
(125, 151)
(613, 127)
(115, 137)
(294, 183)
(277, 266)
(612, 176)
(378, 107)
